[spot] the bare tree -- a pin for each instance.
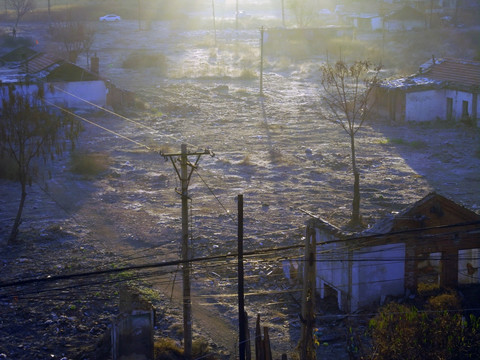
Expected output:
(76, 38)
(303, 10)
(21, 7)
(349, 99)
(29, 132)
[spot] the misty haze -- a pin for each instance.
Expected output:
(139, 140)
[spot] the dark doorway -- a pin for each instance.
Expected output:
(449, 109)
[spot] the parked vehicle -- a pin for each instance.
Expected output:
(110, 17)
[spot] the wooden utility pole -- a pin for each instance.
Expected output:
(184, 175)
(236, 16)
(139, 14)
(307, 348)
(241, 292)
(214, 24)
(261, 60)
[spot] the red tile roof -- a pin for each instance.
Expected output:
(463, 72)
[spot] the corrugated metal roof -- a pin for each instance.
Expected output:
(40, 62)
(459, 71)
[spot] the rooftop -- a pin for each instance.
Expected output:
(440, 72)
(459, 71)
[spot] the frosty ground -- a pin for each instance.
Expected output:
(276, 149)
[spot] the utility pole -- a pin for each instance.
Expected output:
(261, 60)
(184, 174)
(307, 349)
(214, 25)
(139, 5)
(236, 16)
(241, 291)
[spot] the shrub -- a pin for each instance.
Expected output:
(248, 74)
(142, 59)
(200, 348)
(428, 290)
(89, 164)
(404, 332)
(444, 302)
(167, 349)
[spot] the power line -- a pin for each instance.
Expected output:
(98, 125)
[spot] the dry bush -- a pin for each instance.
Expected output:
(142, 60)
(404, 332)
(248, 74)
(167, 349)
(201, 348)
(444, 302)
(89, 164)
(425, 290)
(246, 161)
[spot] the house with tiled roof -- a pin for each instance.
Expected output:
(434, 241)
(405, 19)
(64, 83)
(443, 89)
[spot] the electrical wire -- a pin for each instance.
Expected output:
(98, 125)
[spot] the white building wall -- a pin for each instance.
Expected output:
(73, 95)
(332, 265)
(458, 98)
(77, 94)
(377, 272)
(377, 23)
(430, 105)
(425, 105)
(403, 25)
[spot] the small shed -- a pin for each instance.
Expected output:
(434, 241)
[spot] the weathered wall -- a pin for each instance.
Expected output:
(332, 264)
(377, 271)
(91, 91)
(403, 25)
(458, 98)
(427, 105)
(430, 105)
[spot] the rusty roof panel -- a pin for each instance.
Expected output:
(40, 62)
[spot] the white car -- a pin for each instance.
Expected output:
(110, 17)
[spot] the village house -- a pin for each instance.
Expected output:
(433, 241)
(443, 89)
(405, 19)
(65, 84)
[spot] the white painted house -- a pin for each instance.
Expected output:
(64, 84)
(434, 241)
(443, 89)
